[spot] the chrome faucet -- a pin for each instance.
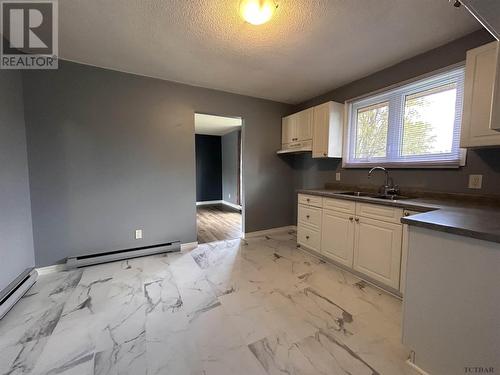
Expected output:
(388, 188)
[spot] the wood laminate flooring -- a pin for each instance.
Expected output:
(217, 223)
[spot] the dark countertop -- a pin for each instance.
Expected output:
(471, 218)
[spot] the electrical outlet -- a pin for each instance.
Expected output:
(138, 234)
(337, 176)
(475, 181)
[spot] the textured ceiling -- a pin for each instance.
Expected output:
(309, 46)
(215, 125)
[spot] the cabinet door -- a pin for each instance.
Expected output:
(321, 123)
(480, 71)
(377, 250)
(287, 129)
(304, 124)
(337, 236)
(328, 119)
(495, 110)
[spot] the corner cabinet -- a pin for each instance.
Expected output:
(366, 238)
(317, 129)
(480, 112)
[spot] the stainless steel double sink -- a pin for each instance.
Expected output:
(390, 197)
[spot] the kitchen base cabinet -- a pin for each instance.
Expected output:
(308, 237)
(377, 250)
(363, 237)
(337, 236)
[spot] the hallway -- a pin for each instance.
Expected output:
(217, 222)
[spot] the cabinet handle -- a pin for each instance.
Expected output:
(351, 218)
(357, 220)
(325, 154)
(308, 199)
(307, 237)
(407, 214)
(308, 216)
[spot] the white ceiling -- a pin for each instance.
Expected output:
(215, 125)
(308, 48)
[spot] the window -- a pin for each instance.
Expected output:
(415, 125)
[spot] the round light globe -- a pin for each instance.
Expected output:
(257, 12)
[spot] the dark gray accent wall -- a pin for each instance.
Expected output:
(208, 151)
(309, 173)
(110, 152)
(16, 236)
(230, 166)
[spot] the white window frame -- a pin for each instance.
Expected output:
(396, 98)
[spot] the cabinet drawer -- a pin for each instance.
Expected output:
(379, 212)
(341, 205)
(309, 215)
(309, 238)
(311, 200)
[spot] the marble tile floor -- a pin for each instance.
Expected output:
(256, 306)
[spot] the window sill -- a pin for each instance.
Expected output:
(401, 166)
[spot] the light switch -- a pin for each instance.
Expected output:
(138, 234)
(475, 181)
(337, 176)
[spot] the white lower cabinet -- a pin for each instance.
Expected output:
(369, 244)
(377, 250)
(337, 236)
(309, 237)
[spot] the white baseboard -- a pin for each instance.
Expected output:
(268, 231)
(226, 203)
(208, 203)
(235, 206)
(51, 269)
(189, 246)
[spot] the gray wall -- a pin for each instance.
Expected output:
(310, 172)
(110, 152)
(16, 237)
(230, 167)
(208, 150)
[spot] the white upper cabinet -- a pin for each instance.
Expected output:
(327, 130)
(495, 110)
(317, 129)
(480, 74)
(296, 131)
(288, 131)
(304, 124)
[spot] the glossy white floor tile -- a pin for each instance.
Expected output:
(257, 306)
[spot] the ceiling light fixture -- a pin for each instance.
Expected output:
(257, 12)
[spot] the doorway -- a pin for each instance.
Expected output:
(219, 186)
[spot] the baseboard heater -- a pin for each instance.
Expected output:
(111, 256)
(16, 289)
